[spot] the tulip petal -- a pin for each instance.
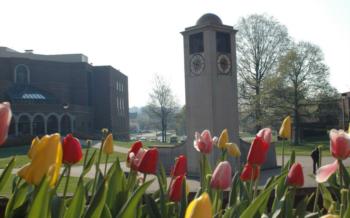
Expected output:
(323, 173)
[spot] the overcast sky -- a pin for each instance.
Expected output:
(141, 38)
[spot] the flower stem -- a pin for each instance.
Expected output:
(318, 187)
(282, 154)
(88, 145)
(106, 164)
(340, 173)
(62, 206)
(97, 168)
(256, 183)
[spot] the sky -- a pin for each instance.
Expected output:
(142, 38)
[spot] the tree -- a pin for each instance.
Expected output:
(162, 103)
(261, 41)
(304, 77)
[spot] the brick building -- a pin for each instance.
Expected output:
(62, 93)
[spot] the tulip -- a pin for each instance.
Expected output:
(340, 144)
(5, 120)
(266, 135)
(199, 207)
(248, 170)
(134, 149)
(180, 167)
(33, 147)
(295, 175)
(46, 160)
(108, 144)
(286, 128)
(176, 189)
(72, 152)
(204, 142)
(258, 151)
(223, 139)
(147, 163)
(221, 178)
(135, 159)
(232, 149)
(324, 172)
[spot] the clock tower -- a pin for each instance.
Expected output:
(211, 85)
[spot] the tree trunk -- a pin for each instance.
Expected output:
(257, 109)
(296, 123)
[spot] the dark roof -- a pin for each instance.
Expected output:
(29, 94)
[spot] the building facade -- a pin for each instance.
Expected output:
(63, 93)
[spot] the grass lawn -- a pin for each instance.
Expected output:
(6, 153)
(305, 148)
(73, 181)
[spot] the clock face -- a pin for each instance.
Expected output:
(197, 64)
(224, 64)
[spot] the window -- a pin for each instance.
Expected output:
(196, 43)
(223, 42)
(22, 74)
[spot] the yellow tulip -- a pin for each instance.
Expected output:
(223, 139)
(330, 216)
(349, 129)
(108, 144)
(199, 207)
(286, 128)
(232, 149)
(33, 147)
(46, 159)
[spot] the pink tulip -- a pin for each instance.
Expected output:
(266, 135)
(323, 173)
(5, 120)
(221, 178)
(204, 142)
(340, 144)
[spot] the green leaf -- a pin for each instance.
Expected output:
(40, 204)
(152, 207)
(117, 193)
(77, 203)
(98, 201)
(163, 176)
(346, 176)
(162, 197)
(300, 210)
(183, 202)
(89, 164)
(106, 213)
(234, 189)
(254, 206)
(326, 196)
(18, 199)
(130, 207)
(7, 173)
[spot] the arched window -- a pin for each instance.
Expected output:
(22, 74)
(38, 125)
(52, 124)
(66, 125)
(24, 125)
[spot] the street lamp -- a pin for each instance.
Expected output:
(343, 96)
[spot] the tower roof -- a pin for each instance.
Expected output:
(209, 19)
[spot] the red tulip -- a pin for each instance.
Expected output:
(176, 189)
(246, 174)
(295, 176)
(203, 142)
(265, 134)
(72, 152)
(135, 158)
(134, 149)
(5, 120)
(221, 178)
(340, 144)
(146, 162)
(180, 167)
(258, 151)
